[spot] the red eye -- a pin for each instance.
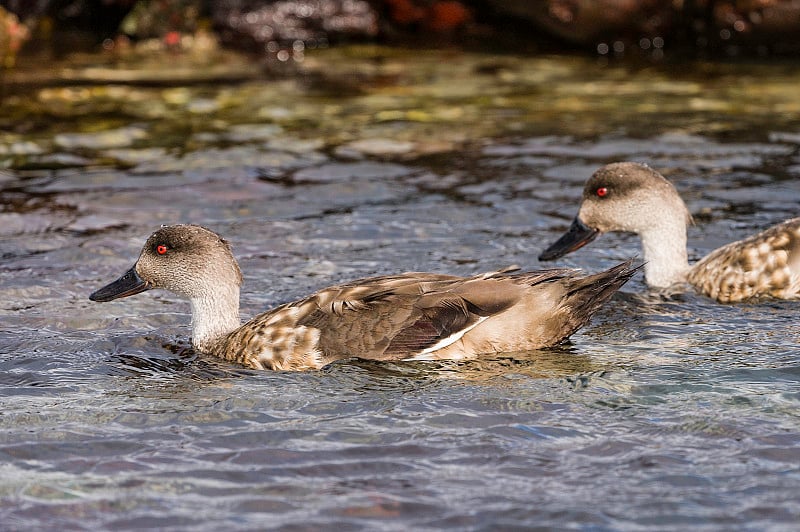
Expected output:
(161, 249)
(602, 192)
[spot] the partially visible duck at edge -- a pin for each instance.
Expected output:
(395, 317)
(634, 198)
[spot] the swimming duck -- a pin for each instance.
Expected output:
(394, 317)
(635, 198)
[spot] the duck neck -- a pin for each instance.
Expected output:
(664, 247)
(214, 315)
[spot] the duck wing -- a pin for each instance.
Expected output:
(403, 316)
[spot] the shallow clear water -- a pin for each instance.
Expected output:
(661, 414)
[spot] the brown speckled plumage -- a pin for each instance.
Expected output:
(394, 317)
(765, 264)
(636, 198)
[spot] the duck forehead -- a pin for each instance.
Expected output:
(180, 236)
(596, 181)
(623, 178)
(606, 179)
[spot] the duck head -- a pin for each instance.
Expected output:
(187, 260)
(628, 197)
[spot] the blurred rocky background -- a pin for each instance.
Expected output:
(283, 30)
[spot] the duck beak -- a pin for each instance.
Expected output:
(127, 285)
(577, 236)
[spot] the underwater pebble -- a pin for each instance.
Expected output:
(378, 147)
(55, 160)
(177, 96)
(251, 132)
(133, 156)
(202, 106)
(112, 138)
(275, 113)
(295, 145)
(21, 148)
(783, 136)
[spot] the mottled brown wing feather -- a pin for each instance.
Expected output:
(492, 294)
(767, 263)
(362, 318)
(401, 315)
(448, 317)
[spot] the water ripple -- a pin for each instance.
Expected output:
(667, 411)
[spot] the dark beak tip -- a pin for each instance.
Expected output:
(99, 297)
(127, 285)
(577, 236)
(548, 255)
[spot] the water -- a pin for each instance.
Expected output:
(661, 414)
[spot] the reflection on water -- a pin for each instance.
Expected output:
(667, 409)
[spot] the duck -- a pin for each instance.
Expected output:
(409, 316)
(632, 197)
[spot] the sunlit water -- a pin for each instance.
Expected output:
(663, 413)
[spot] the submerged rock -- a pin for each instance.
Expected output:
(619, 26)
(284, 29)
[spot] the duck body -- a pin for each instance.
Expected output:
(632, 197)
(396, 317)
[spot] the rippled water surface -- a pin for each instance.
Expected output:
(661, 414)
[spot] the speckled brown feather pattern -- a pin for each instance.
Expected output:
(764, 264)
(393, 317)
